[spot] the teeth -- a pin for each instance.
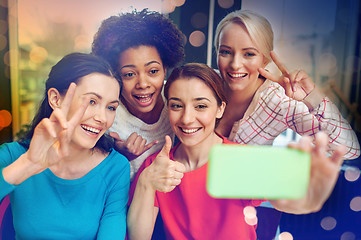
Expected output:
(190, 130)
(144, 98)
(238, 75)
(91, 129)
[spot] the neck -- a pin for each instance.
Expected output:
(194, 157)
(78, 163)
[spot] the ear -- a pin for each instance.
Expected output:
(54, 98)
(220, 110)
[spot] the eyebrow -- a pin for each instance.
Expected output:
(147, 64)
(100, 97)
(196, 99)
(249, 48)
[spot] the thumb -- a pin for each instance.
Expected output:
(115, 136)
(167, 146)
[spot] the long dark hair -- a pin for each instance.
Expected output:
(70, 69)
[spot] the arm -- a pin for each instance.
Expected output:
(162, 175)
(309, 111)
(323, 177)
(113, 222)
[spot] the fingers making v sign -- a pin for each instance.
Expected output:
(52, 136)
(297, 84)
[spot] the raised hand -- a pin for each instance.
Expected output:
(133, 147)
(297, 84)
(164, 174)
(324, 174)
(52, 136)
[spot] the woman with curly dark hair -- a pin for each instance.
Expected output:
(140, 47)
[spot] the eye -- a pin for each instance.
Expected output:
(175, 106)
(249, 54)
(127, 75)
(92, 102)
(201, 106)
(224, 52)
(112, 108)
(154, 71)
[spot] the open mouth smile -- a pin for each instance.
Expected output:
(91, 130)
(144, 98)
(237, 75)
(189, 131)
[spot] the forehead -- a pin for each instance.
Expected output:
(190, 88)
(140, 54)
(105, 86)
(235, 32)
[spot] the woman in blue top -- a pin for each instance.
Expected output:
(64, 180)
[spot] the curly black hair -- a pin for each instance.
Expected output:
(149, 28)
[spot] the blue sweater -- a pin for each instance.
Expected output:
(48, 207)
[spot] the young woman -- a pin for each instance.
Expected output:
(261, 107)
(173, 181)
(140, 46)
(64, 180)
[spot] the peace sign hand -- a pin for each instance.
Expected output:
(297, 84)
(52, 136)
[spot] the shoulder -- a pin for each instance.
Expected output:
(116, 165)
(9, 152)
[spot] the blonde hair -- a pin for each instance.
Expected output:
(258, 28)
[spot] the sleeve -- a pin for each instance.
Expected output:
(6, 158)
(113, 222)
(317, 113)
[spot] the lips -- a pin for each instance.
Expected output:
(90, 129)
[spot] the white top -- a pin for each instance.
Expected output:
(125, 124)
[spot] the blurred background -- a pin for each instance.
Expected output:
(319, 36)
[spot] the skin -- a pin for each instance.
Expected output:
(142, 72)
(240, 61)
(60, 142)
(164, 174)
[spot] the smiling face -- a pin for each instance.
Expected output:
(142, 73)
(238, 58)
(103, 92)
(193, 114)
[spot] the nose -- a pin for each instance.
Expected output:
(188, 115)
(236, 62)
(142, 82)
(100, 115)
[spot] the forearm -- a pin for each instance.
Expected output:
(296, 206)
(142, 213)
(20, 170)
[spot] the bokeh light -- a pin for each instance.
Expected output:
(5, 118)
(352, 174)
(348, 236)
(250, 215)
(328, 223)
(285, 236)
(3, 42)
(197, 38)
(225, 3)
(7, 58)
(199, 20)
(168, 6)
(355, 204)
(38, 54)
(82, 42)
(3, 27)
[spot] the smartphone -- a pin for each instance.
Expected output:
(257, 172)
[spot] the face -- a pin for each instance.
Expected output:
(238, 58)
(192, 114)
(103, 92)
(142, 73)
